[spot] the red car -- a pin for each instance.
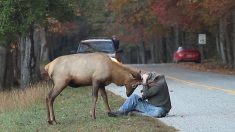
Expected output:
(187, 54)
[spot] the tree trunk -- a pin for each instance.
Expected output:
(222, 41)
(154, 51)
(176, 36)
(233, 37)
(183, 38)
(164, 50)
(12, 69)
(217, 41)
(29, 61)
(228, 46)
(142, 52)
(159, 50)
(26, 61)
(42, 41)
(2, 65)
(138, 55)
(170, 44)
(39, 40)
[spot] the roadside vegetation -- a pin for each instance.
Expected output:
(25, 110)
(209, 66)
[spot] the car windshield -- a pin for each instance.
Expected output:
(96, 46)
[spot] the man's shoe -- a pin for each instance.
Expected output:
(115, 113)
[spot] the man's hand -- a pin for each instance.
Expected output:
(141, 93)
(145, 77)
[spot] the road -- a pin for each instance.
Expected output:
(201, 101)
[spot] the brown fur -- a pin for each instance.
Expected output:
(94, 69)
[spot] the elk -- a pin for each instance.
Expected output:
(92, 69)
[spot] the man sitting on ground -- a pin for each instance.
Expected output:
(154, 101)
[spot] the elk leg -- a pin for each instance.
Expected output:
(94, 98)
(105, 99)
(50, 100)
(48, 109)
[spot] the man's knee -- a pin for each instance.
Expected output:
(134, 97)
(161, 113)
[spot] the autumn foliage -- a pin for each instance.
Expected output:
(188, 14)
(169, 20)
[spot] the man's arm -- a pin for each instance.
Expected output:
(153, 88)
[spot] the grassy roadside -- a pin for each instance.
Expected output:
(72, 112)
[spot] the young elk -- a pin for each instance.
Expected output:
(93, 69)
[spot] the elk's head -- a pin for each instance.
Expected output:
(134, 80)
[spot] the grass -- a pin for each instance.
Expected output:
(25, 111)
(18, 99)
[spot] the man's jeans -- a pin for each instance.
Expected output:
(134, 102)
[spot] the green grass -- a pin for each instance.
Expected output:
(72, 113)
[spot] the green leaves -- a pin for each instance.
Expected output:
(19, 16)
(62, 10)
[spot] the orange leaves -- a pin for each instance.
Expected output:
(140, 18)
(191, 14)
(167, 12)
(117, 5)
(218, 8)
(57, 27)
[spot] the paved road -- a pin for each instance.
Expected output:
(202, 101)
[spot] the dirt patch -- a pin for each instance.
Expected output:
(208, 66)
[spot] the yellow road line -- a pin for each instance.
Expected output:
(229, 91)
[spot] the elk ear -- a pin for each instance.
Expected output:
(131, 76)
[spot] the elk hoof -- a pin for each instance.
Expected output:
(51, 122)
(92, 115)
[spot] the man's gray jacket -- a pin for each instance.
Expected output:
(157, 92)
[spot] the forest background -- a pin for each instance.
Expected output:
(35, 32)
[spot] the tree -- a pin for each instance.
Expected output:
(135, 25)
(2, 65)
(221, 15)
(20, 19)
